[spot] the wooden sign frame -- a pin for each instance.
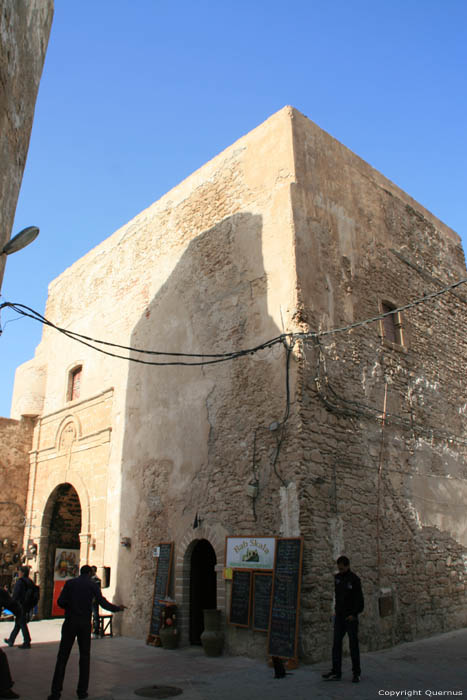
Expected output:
(248, 573)
(297, 609)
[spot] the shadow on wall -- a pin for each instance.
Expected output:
(189, 430)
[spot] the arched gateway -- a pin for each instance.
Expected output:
(203, 586)
(61, 527)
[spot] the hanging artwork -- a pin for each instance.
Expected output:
(66, 566)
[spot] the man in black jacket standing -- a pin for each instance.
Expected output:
(76, 599)
(348, 605)
(19, 596)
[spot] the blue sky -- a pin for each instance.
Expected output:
(137, 94)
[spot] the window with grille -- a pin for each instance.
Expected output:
(392, 327)
(74, 384)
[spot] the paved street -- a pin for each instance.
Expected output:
(121, 665)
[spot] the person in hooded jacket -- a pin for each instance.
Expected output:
(349, 604)
(22, 584)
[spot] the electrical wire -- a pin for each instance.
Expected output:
(355, 409)
(83, 339)
(358, 324)
(216, 357)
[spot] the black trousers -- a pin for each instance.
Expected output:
(20, 624)
(72, 628)
(341, 628)
(6, 680)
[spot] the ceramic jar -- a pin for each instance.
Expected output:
(212, 638)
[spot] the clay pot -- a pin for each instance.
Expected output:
(169, 637)
(212, 638)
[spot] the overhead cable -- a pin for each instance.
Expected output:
(213, 358)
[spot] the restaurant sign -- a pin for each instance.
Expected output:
(250, 552)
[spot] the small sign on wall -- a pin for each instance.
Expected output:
(250, 552)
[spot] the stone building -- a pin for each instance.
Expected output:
(24, 33)
(355, 439)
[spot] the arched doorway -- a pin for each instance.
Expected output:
(61, 526)
(203, 589)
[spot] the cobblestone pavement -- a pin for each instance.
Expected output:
(434, 667)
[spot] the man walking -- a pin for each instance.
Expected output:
(76, 599)
(348, 605)
(20, 591)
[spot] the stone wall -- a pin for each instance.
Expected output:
(208, 268)
(24, 34)
(389, 496)
(16, 442)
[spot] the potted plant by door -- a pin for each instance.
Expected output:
(168, 632)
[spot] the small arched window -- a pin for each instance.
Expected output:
(74, 383)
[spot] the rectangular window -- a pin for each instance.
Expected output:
(75, 384)
(392, 327)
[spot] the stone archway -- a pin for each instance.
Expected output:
(203, 587)
(61, 528)
(183, 573)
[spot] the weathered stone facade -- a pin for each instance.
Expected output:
(15, 441)
(355, 442)
(393, 495)
(24, 34)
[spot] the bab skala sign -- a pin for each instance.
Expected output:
(250, 552)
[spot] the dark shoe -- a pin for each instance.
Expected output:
(8, 694)
(24, 646)
(331, 676)
(355, 678)
(53, 697)
(81, 694)
(7, 641)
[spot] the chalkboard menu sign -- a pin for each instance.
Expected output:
(164, 566)
(240, 598)
(161, 587)
(283, 623)
(157, 606)
(262, 587)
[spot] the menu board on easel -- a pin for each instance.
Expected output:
(240, 598)
(161, 588)
(285, 603)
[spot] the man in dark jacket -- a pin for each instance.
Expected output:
(348, 605)
(76, 599)
(22, 584)
(6, 681)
